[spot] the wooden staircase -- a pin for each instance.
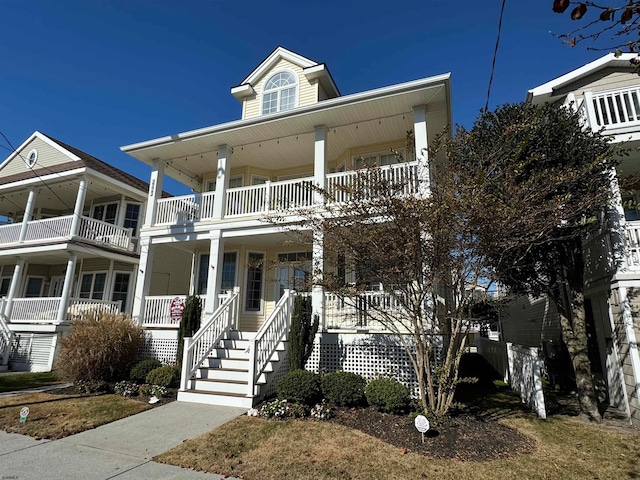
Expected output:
(223, 377)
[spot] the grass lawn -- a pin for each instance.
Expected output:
(259, 449)
(20, 381)
(59, 415)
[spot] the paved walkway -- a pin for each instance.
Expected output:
(121, 450)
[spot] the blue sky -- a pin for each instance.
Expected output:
(102, 74)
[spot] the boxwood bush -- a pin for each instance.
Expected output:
(141, 369)
(387, 395)
(167, 376)
(299, 386)
(344, 389)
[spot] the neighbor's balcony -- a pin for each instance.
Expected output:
(44, 310)
(618, 111)
(272, 197)
(59, 229)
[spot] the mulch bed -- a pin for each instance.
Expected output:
(171, 396)
(464, 437)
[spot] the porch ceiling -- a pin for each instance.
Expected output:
(287, 140)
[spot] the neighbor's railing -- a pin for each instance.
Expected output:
(45, 309)
(632, 231)
(90, 229)
(615, 108)
(273, 331)
(198, 347)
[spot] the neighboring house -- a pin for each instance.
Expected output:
(296, 129)
(69, 243)
(607, 93)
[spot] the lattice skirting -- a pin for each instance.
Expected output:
(370, 355)
(162, 347)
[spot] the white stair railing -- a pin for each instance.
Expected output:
(6, 338)
(198, 347)
(264, 344)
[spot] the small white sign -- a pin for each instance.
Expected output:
(24, 411)
(421, 423)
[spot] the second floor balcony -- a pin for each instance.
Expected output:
(274, 197)
(59, 229)
(617, 110)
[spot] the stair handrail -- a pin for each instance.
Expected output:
(6, 338)
(198, 347)
(264, 344)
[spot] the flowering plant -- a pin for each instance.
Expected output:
(282, 409)
(126, 389)
(321, 411)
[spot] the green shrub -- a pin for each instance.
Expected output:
(125, 388)
(387, 395)
(302, 333)
(141, 369)
(167, 376)
(189, 322)
(344, 389)
(100, 348)
(92, 386)
(299, 386)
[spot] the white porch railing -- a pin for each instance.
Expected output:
(273, 331)
(632, 232)
(96, 231)
(275, 197)
(198, 347)
(156, 310)
(45, 309)
(362, 311)
(616, 108)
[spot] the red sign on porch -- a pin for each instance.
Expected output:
(176, 308)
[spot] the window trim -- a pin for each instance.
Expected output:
(260, 311)
(105, 204)
(125, 305)
(93, 282)
(296, 94)
(139, 221)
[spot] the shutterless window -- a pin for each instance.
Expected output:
(5, 283)
(92, 285)
(121, 289)
(229, 271)
(106, 212)
(279, 93)
(34, 287)
(255, 274)
(131, 217)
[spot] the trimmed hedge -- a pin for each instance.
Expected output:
(344, 389)
(300, 386)
(167, 376)
(387, 395)
(141, 369)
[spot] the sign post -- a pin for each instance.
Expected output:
(422, 425)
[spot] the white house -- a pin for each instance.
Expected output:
(607, 93)
(69, 242)
(296, 129)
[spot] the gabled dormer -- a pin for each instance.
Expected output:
(282, 82)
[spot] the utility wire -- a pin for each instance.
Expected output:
(495, 54)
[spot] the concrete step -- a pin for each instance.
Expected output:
(220, 386)
(216, 398)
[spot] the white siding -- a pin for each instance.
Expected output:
(307, 92)
(528, 321)
(47, 157)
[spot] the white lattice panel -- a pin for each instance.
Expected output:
(164, 349)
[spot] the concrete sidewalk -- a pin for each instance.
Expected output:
(122, 449)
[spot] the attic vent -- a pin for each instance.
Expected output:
(32, 158)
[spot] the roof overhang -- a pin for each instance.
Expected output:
(547, 92)
(321, 73)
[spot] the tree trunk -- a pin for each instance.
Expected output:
(574, 334)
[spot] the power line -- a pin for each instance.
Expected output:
(495, 54)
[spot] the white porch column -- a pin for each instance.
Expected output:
(320, 161)
(633, 353)
(590, 111)
(66, 288)
(79, 207)
(143, 280)
(214, 275)
(222, 181)
(13, 288)
(421, 148)
(28, 213)
(317, 292)
(155, 191)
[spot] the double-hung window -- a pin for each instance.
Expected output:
(92, 285)
(279, 93)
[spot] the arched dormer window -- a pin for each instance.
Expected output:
(279, 93)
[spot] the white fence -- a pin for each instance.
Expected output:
(521, 366)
